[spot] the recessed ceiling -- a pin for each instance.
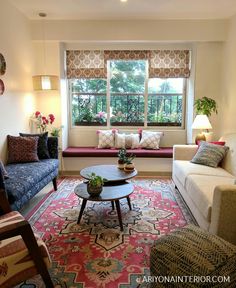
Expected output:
(132, 9)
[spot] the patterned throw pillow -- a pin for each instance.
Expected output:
(42, 148)
(126, 140)
(150, 139)
(106, 138)
(22, 149)
(209, 154)
(3, 170)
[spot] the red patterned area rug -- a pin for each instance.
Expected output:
(96, 253)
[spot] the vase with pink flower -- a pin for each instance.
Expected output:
(43, 122)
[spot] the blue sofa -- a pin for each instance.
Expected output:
(27, 179)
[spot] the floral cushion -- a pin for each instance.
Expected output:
(42, 149)
(22, 149)
(209, 154)
(106, 138)
(150, 139)
(25, 177)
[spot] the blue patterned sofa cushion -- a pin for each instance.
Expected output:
(25, 176)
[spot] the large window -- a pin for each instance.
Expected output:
(122, 94)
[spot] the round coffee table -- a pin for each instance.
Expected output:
(111, 172)
(115, 188)
(111, 193)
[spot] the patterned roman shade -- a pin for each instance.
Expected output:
(126, 55)
(85, 64)
(169, 64)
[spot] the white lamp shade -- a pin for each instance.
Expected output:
(45, 82)
(201, 122)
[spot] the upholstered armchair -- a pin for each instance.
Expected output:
(22, 254)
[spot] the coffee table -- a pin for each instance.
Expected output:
(115, 188)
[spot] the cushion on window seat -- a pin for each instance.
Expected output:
(163, 152)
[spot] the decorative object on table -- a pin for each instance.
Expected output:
(2, 87)
(2, 65)
(204, 108)
(42, 121)
(201, 122)
(95, 184)
(129, 165)
(45, 81)
(122, 155)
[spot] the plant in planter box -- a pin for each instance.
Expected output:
(129, 166)
(122, 155)
(95, 184)
(205, 106)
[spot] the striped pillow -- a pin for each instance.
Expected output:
(209, 154)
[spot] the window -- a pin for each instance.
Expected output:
(128, 88)
(165, 101)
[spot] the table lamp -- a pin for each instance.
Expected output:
(201, 122)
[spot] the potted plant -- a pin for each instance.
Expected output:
(95, 184)
(129, 166)
(205, 106)
(122, 158)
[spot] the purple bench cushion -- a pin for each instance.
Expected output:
(164, 152)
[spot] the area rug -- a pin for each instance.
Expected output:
(96, 253)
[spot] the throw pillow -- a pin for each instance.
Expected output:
(222, 143)
(209, 154)
(120, 140)
(3, 170)
(126, 140)
(42, 149)
(150, 139)
(22, 149)
(106, 138)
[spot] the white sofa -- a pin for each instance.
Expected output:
(210, 193)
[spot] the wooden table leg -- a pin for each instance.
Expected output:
(119, 214)
(81, 210)
(129, 203)
(112, 205)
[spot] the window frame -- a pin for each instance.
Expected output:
(145, 95)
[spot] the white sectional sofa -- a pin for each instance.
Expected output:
(210, 193)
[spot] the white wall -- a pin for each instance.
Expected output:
(18, 101)
(228, 99)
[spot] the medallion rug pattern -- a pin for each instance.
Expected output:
(96, 253)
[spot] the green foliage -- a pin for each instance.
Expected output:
(56, 131)
(96, 180)
(205, 106)
(122, 154)
(129, 159)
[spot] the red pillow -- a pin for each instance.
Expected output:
(22, 149)
(221, 143)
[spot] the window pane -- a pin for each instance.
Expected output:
(165, 101)
(127, 92)
(88, 102)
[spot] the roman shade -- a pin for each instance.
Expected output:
(169, 64)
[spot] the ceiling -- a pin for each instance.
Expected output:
(132, 9)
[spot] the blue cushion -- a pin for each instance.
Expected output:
(24, 176)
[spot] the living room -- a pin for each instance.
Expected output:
(33, 45)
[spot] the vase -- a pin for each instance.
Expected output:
(129, 167)
(94, 190)
(121, 164)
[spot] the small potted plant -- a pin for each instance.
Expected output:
(95, 184)
(129, 165)
(205, 106)
(122, 158)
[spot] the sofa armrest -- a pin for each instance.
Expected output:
(223, 213)
(53, 147)
(184, 152)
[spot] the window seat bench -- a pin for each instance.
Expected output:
(163, 152)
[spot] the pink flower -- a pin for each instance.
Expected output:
(37, 113)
